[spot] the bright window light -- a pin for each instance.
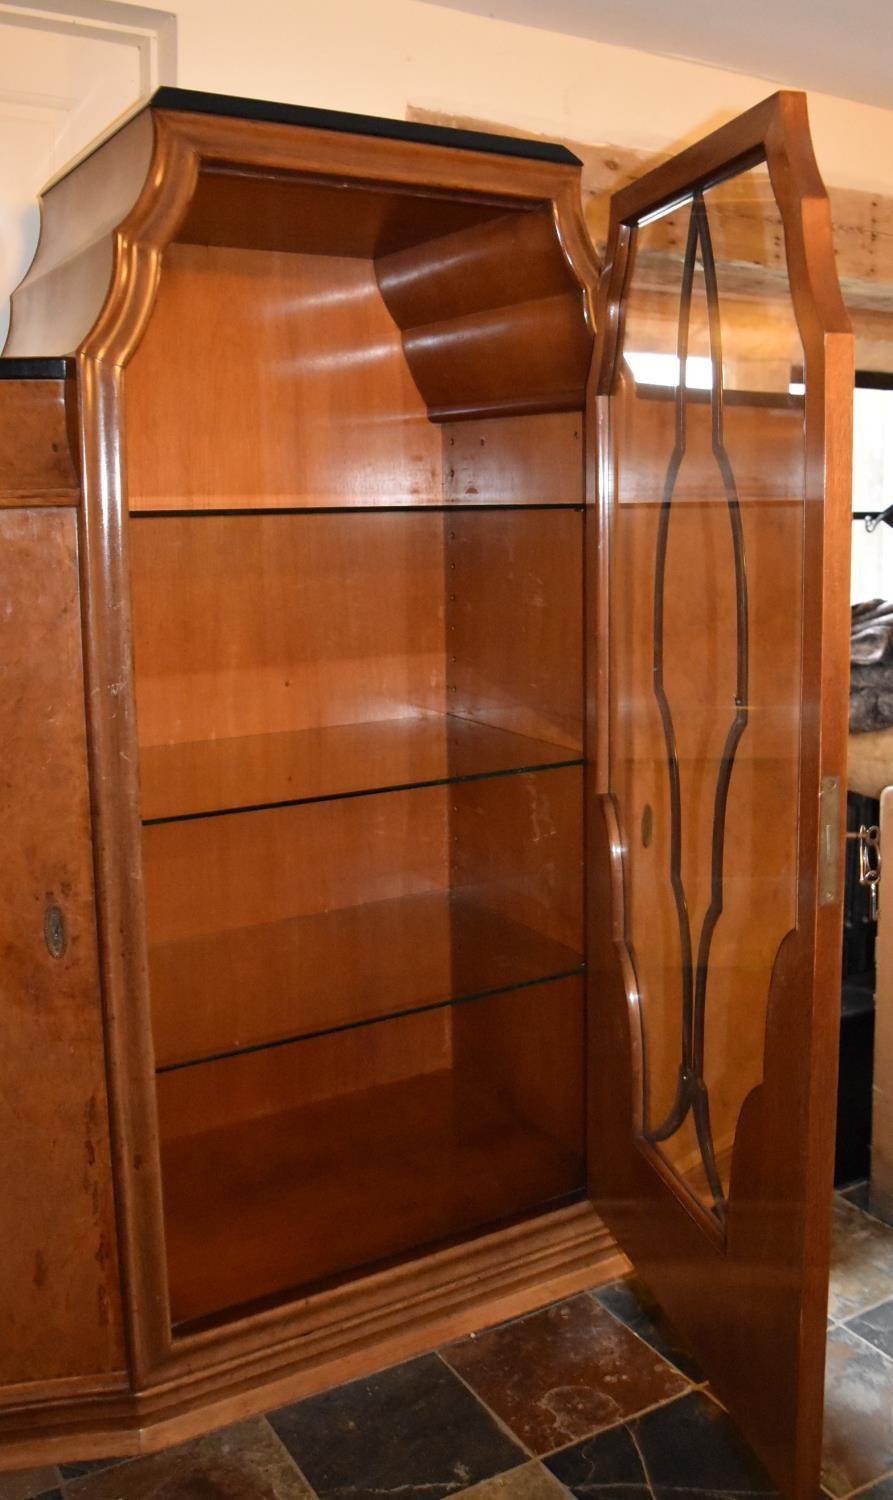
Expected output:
(663, 369)
(872, 556)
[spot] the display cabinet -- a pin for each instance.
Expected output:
(421, 745)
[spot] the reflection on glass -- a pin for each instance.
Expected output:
(706, 623)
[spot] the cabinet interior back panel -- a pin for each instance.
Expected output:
(289, 387)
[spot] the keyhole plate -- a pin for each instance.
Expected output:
(54, 931)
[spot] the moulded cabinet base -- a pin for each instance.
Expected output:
(386, 1318)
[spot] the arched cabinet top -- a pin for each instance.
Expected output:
(478, 240)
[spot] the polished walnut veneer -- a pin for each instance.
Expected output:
(343, 1000)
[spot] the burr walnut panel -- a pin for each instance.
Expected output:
(60, 1306)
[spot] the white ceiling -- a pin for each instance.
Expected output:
(841, 47)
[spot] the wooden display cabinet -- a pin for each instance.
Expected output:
(394, 702)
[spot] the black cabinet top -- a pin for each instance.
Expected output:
(193, 101)
(41, 368)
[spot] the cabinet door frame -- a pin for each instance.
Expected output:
(751, 1302)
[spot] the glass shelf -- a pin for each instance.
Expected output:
(335, 506)
(270, 985)
(202, 777)
(463, 1138)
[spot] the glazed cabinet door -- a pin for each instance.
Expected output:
(724, 394)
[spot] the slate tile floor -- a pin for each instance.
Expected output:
(592, 1397)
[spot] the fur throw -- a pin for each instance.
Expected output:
(871, 666)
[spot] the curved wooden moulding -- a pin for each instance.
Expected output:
(492, 318)
(483, 264)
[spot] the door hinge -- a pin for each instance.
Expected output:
(829, 846)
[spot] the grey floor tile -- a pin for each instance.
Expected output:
(861, 1263)
(688, 1447)
(876, 1326)
(605, 1467)
(415, 1431)
(529, 1482)
(856, 1193)
(245, 1462)
(858, 1434)
(860, 1195)
(28, 1484)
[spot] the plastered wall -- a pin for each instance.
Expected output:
(380, 56)
(393, 57)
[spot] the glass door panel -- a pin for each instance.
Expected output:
(720, 623)
(706, 635)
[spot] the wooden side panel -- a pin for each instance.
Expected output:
(35, 459)
(517, 841)
(532, 460)
(519, 1045)
(514, 622)
(60, 1312)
